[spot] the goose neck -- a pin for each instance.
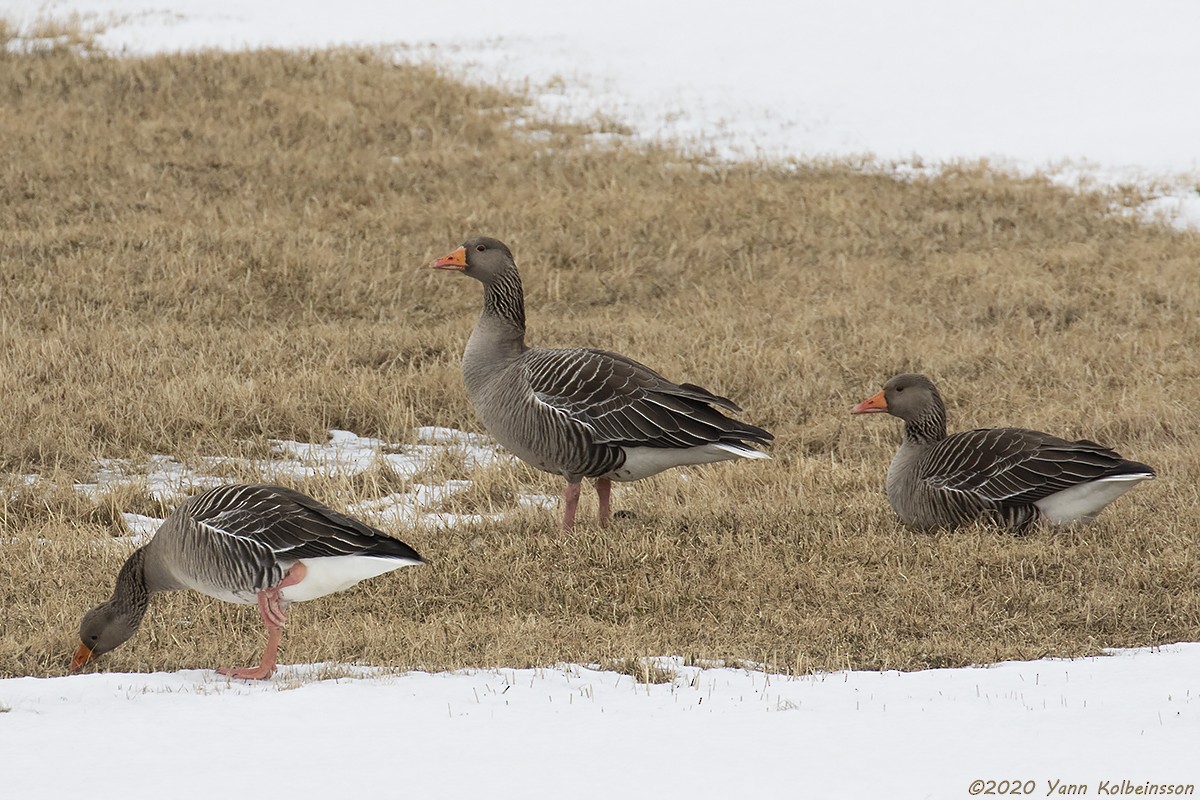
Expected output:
(504, 299)
(132, 591)
(929, 427)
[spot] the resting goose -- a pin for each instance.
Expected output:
(263, 545)
(582, 413)
(1010, 476)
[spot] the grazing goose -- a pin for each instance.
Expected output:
(1010, 476)
(262, 545)
(582, 413)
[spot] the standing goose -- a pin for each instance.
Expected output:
(1012, 477)
(263, 545)
(582, 413)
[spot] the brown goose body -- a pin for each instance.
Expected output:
(250, 544)
(1012, 477)
(582, 412)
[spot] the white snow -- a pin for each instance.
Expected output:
(575, 732)
(345, 453)
(1096, 92)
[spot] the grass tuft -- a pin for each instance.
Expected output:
(642, 670)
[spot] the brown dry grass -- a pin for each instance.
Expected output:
(198, 253)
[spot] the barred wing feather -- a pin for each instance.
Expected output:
(1014, 465)
(289, 525)
(622, 402)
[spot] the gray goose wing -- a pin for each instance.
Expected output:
(623, 402)
(1017, 467)
(235, 537)
(290, 525)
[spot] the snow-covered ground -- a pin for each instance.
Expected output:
(1087, 90)
(578, 733)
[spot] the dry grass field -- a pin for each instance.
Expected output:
(200, 253)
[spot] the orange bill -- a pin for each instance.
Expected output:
(455, 260)
(876, 404)
(82, 656)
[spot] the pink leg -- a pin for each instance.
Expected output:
(266, 667)
(604, 492)
(270, 607)
(571, 501)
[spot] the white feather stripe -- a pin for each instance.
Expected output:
(740, 452)
(642, 462)
(336, 573)
(1083, 502)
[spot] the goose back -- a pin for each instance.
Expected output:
(1009, 476)
(232, 542)
(580, 412)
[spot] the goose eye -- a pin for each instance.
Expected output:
(899, 389)
(479, 248)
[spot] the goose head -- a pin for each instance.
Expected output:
(106, 627)
(909, 397)
(483, 259)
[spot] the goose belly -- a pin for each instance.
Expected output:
(537, 458)
(243, 598)
(542, 440)
(1083, 502)
(642, 462)
(214, 586)
(335, 573)
(920, 506)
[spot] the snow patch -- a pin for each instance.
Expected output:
(345, 453)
